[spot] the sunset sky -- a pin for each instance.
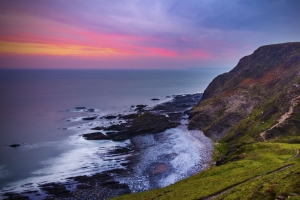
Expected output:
(141, 34)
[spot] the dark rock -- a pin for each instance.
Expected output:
(94, 136)
(116, 127)
(56, 189)
(140, 107)
(144, 124)
(110, 117)
(175, 116)
(15, 196)
(155, 99)
(80, 108)
(103, 179)
(155, 120)
(90, 110)
(158, 168)
(15, 145)
(129, 116)
(89, 118)
(97, 128)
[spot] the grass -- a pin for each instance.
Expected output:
(251, 160)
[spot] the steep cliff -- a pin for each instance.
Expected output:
(267, 80)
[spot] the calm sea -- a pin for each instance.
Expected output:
(36, 107)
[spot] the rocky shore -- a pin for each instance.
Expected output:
(145, 120)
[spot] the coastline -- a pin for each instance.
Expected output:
(170, 115)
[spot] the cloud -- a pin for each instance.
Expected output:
(206, 30)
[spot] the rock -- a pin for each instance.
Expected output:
(15, 196)
(110, 117)
(116, 127)
(97, 128)
(155, 120)
(140, 107)
(56, 189)
(103, 179)
(89, 118)
(150, 123)
(94, 136)
(158, 168)
(15, 145)
(144, 124)
(80, 108)
(129, 116)
(155, 99)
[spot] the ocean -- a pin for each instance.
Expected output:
(38, 111)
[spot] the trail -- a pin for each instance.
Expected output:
(282, 118)
(217, 194)
(296, 155)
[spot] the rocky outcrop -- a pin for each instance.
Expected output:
(146, 121)
(143, 124)
(267, 79)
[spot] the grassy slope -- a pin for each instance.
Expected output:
(251, 160)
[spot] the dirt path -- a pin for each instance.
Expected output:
(215, 195)
(282, 118)
(296, 155)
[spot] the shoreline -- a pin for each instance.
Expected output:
(169, 114)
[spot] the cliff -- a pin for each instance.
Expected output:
(268, 79)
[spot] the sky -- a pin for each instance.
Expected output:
(141, 34)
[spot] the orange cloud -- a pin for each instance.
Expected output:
(60, 50)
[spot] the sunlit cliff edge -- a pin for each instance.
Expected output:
(252, 114)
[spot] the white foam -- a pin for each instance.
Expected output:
(189, 152)
(80, 157)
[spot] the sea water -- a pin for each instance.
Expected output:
(37, 110)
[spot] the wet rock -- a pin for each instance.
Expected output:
(89, 118)
(150, 123)
(15, 196)
(94, 136)
(175, 116)
(97, 128)
(144, 124)
(56, 189)
(129, 116)
(15, 145)
(140, 107)
(155, 120)
(110, 117)
(104, 180)
(155, 99)
(80, 108)
(158, 168)
(116, 127)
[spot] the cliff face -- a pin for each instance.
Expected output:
(262, 87)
